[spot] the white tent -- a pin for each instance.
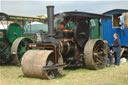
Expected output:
(35, 27)
(3, 26)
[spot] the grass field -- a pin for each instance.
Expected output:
(12, 75)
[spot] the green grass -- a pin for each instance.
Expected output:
(12, 75)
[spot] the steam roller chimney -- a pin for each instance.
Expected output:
(50, 14)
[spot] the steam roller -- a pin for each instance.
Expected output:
(64, 46)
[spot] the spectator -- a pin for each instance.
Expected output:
(109, 53)
(116, 48)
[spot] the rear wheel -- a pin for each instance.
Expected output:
(18, 48)
(95, 54)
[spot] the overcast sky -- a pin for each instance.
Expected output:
(38, 7)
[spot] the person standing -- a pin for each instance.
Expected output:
(109, 53)
(116, 49)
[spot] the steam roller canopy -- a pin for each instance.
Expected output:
(33, 62)
(95, 54)
(14, 31)
(18, 48)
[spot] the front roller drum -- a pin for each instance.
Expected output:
(33, 62)
(95, 54)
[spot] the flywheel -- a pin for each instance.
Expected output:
(14, 31)
(95, 54)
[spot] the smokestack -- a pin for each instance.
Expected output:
(50, 14)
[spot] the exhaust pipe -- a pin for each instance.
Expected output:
(50, 14)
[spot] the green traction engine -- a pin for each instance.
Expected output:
(12, 43)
